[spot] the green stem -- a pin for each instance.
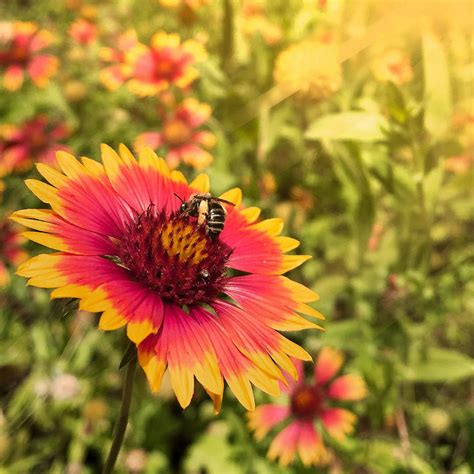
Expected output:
(227, 46)
(419, 169)
(121, 425)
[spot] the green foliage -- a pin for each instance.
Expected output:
(364, 179)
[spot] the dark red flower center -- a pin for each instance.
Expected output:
(306, 401)
(174, 256)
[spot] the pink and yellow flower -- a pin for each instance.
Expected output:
(166, 62)
(310, 405)
(37, 139)
(126, 250)
(181, 136)
(83, 31)
(11, 252)
(115, 75)
(21, 52)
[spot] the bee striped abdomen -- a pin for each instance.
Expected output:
(215, 219)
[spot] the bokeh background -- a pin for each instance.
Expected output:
(353, 121)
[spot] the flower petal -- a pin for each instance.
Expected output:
(285, 444)
(328, 363)
(310, 446)
(257, 248)
(338, 422)
(273, 300)
(348, 387)
(265, 417)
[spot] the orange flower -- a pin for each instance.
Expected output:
(83, 31)
(459, 165)
(34, 140)
(21, 46)
(164, 63)
(307, 404)
(392, 65)
(125, 248)
(115, 75)
(11, 252)
(181, 137)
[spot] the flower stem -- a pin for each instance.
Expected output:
(121, 425)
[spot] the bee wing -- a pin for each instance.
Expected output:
(223, 200)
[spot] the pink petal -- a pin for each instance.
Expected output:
(310, 445)
(265, 417)
(328, 363)
(348, 387)
(338, 422)
(13, 78)
(285, 445)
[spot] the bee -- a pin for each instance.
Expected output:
(209, 211)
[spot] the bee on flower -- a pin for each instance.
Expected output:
(310, 68)
(125, 248)
(21, 53)
(311, 410)
(11, 251)
(35, 140)
(164, 63)
(181, 137)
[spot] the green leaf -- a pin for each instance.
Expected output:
(212, 453)
(387, 456)
(438, 94)
(343, 334)
(433, 183)
(440, 366)
(359, 126)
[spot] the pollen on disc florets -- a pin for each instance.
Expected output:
(174, 256)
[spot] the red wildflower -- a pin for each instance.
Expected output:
(115, 75)
(11, 252)
(181, 137)
(83, 31)
(34, 140)
(165, 62)
(307, 404)
(126, 249)
(21, 46)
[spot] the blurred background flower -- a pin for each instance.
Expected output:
(164, 63)
(181, 137)
(21, 52)
(34, 141)
(11, 250)
(310, 68)
(308, 404)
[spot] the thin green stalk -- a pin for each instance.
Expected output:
(121, 425)
(419, 169)
(227, 47)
